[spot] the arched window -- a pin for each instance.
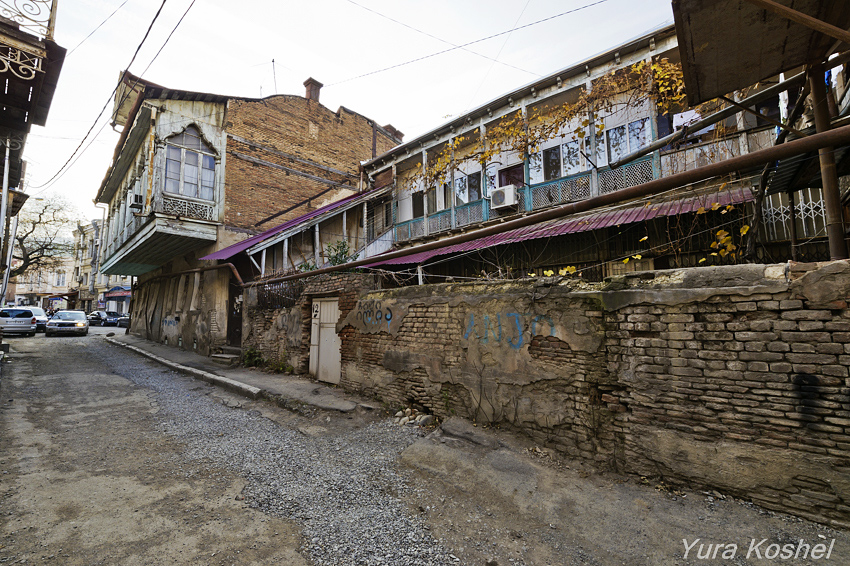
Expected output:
(189, 166)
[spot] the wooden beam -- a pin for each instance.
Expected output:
(804, 19)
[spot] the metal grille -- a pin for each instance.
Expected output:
(577, 188)
(187, 208)
(440, 221)
(810, 214)
(630, 175)
(410, 230)
(469, 213)
(283, 294)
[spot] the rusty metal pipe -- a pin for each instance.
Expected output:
(814, 142)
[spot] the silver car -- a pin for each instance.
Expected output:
(67, 322)
(20, 320)
(40, 318)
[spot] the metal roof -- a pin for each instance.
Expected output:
(727, 45)
(593, 221)
(238, 247)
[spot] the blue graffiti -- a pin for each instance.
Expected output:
(493, 329)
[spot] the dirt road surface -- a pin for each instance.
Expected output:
(107, 458)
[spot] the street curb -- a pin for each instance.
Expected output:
(227, 383)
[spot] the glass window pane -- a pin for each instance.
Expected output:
(535, 168)
(512, 176)
(207, 178)
(432, 200)
(192, 138)
(638, 134)
(552, 163)
(172, 170)
(461, 196)
(572, 158)
(190, 174)
(473, 186)
(617, 147)
(418, 204)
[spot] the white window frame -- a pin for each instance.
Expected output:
(181, 175)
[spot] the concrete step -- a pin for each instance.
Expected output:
(231, 350)
(226, 359)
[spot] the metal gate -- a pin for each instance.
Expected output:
(324, 341)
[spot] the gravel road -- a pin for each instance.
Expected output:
(108, 458)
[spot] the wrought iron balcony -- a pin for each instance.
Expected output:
(35, 17)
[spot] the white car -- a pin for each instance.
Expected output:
(67, 322)
(40, 318)
(17, 320)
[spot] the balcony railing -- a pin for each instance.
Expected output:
(36, 17)
(529, 198)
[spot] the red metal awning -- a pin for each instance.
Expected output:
(593, 221)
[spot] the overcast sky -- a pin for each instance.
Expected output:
(227, 47)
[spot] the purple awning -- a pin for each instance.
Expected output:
(593, 221)
(230, 251)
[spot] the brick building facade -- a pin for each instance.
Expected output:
(196, 172)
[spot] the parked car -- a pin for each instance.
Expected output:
(67, 322)
(103, 318)
(40, 318)
(18, 320)
(124, 321)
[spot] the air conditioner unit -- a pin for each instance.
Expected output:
(138, 202)
(79, 279)
(97, 242)
(503, 197)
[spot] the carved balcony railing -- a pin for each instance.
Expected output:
(35, 17)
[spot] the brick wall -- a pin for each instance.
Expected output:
(282, 335)
(731, 378)
(284, 149)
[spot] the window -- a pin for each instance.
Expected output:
(418, 201)
(189, 166)
(552, 163)
(473, 185)
(60, 279)
(623, 140)
(512, 176)
(572, 158)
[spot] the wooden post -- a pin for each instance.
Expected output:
(795, 254)
(829, 176)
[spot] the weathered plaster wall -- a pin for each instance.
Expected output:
(187, 311)
(734, 378)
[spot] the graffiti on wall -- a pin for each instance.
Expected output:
(507, 328)
(374, 315)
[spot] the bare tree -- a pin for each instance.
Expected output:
(44, 235)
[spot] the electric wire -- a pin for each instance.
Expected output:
(97, 28)
(416, 60)
(109, 99)
(441, 40)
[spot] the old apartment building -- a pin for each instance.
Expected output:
(195, 172)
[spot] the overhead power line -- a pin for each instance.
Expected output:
(468, 44)
(98, 27)
(441, 40)
(108, 100)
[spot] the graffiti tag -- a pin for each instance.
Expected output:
(508, 326)
(374, 315)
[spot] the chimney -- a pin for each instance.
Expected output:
(313, 88)
(394, 133)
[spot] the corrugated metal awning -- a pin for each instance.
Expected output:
(593, 221)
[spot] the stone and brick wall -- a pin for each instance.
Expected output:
(284, 149)
(282, 335)
(734, 378)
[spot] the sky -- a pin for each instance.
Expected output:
(227, 47)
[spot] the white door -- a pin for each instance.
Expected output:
(324, 341)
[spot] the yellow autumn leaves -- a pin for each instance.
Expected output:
(569, 270)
